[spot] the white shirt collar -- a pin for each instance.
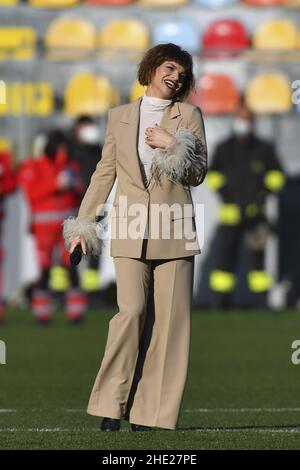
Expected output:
(153, 102)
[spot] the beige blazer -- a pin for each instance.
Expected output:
(173, 171)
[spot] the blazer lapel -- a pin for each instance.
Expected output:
(170, 122)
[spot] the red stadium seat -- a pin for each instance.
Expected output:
(225, 38)
(216, 94)
(109, 2)
(264, 3)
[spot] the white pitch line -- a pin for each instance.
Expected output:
(11, 430)
(261, 430)
(241, 410)
(295, 430)
(189, 410)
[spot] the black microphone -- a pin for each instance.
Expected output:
(76, 255)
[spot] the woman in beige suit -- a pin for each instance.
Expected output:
(156, 147)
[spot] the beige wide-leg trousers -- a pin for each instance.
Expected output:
(144, 369)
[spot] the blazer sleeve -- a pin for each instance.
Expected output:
(184, 162)
(102, 179)
(87, 224)
(198, 170)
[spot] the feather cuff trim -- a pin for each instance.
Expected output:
(177, 161)
(90, 231)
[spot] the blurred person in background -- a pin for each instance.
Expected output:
(8, 184)
(53, 186)
(244, 170)
(85, 149)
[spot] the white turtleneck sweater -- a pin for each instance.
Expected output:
(151, 112)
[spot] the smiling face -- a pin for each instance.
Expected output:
(167, 80)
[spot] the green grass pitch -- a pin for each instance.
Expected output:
(243, 391)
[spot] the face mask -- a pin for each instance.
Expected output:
(241, 127)
(89, 134)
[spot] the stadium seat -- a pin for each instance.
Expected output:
(8, 2)
(17, 43)
(276, 35)
(137, 91)
(292, 3)
(162, 3)
(123, 35)
(38, 98)
(3, 98)
(70, 39)
(3, 92)
(225, 38)
(29, 98)
(215, 3)
(269, 93)
(87, 93)
(216, 94)
(15, 101)
(185, 33)
(53, 3)
(109, 2)
(5, 144)
(264, 3)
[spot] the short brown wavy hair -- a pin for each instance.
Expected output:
(155, 56)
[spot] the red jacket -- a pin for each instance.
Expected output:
(39, 179)
(8, 181)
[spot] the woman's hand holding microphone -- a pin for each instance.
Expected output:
(78, 247)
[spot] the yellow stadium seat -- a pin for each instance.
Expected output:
(28, 98)
(3, 92)
(8, 2)
(269, 93)
(128, 35)
(276, 35)
(53, 3)
(17, 43)
(38, 98)
(162, 3)
(15, 99)
(70, 39)
(292, 3)
(5, 144)
(3, 98)
(87, 93)
(115, 96)
(137, 91)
